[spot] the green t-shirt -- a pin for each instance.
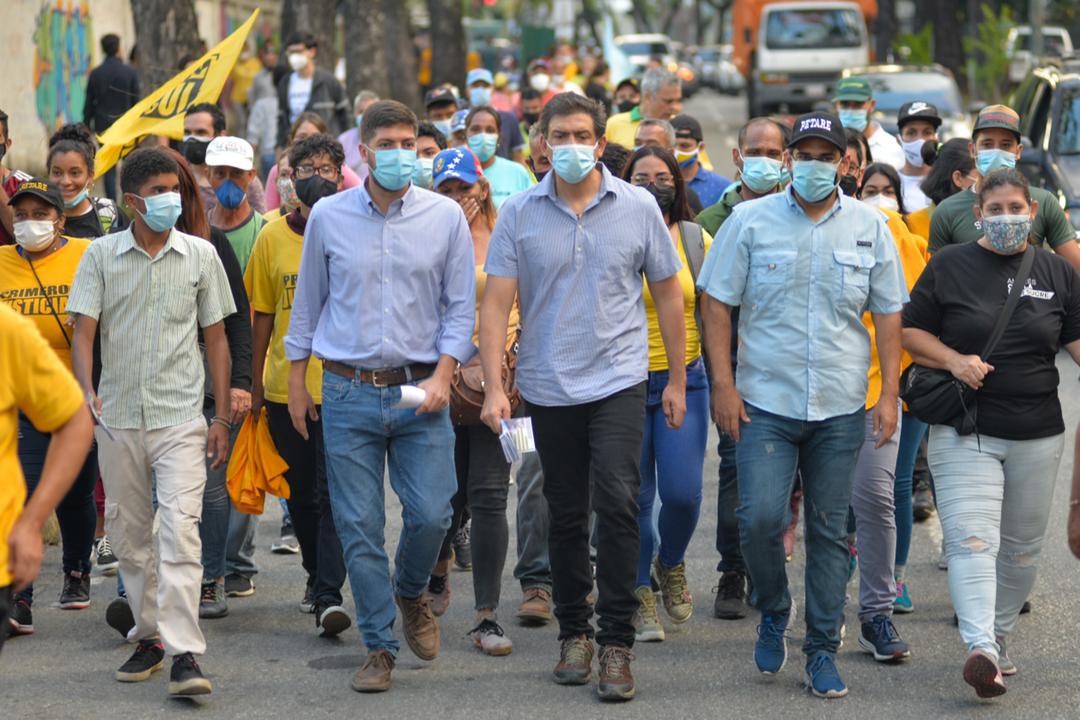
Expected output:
(953, 221)
(712, 217)
(507, 178)
(242, 237)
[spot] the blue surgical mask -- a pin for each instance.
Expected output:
(813, 179)
(359, 119)
(73, 202)
(230, 195)
(480, 96)
(990, 160)
(761, 174)
(162, 211)
(442, 126)
(484, 145)
(394, 168)
(422, 172)
(857, 120)
(573, 163)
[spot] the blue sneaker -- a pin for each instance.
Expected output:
(903, 602)
(823, 678)
(880, 639)
(770, 650)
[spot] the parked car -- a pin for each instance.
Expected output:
(1057, 43)
(643, 50)
(717, 69)
(895, 85)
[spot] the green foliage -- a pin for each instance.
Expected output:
(990, 47)
(916, 48)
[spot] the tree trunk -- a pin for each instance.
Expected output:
(947, 19)
(318, 18)
(591, 16)
(885, 29)
(400, 65)
(365, 61)
(639, 10)
(165, 31)
(447, 42)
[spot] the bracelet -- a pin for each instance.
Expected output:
(221, 421)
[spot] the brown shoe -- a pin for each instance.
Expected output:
(374, 674)
(575, 661)
(438, 592)
(616, 682)
(535, 607)
(421, 629)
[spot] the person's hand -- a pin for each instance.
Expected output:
(885, 420)
(437, 388)
(301, 407)
(24, 554)
(256, 399)
(970, 370)
(1074, 530)
(471, 209)
(239, 404)
(674, 403)
(728, 410)
(496, 408)
(217, 445)
(94, 401)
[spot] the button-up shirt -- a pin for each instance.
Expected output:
(802, 287)
(147, 310)
(378, 291)
(584, 334)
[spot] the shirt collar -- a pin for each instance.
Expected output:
(635, 113)
(607, 185)
(127, 242)
(404, 204)
(841, 203)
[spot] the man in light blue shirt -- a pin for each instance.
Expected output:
(386, 296)
(802, 266)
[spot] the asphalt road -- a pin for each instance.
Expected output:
(266, 661)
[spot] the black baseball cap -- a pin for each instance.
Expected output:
(918, 110)
(822, 125)
(687, 127)
(40, 188)
(439, 96)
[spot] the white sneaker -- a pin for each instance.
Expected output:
(489, 637)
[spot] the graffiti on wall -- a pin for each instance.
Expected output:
(63, 34)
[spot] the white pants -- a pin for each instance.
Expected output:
(162, 583)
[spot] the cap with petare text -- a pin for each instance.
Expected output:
(479, 75)
(230, 152)
(918, 110)
(42, 189)
(457, 163)
(997, 116)
(853, 89)
(687, 127)
(822, 125)
(439, 96)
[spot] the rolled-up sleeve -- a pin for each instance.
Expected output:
(724, 274)
(502, 259)
(312, 289)
(888, 287)
(458, 298)
(88, 286)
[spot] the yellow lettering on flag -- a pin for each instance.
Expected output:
(162, 112)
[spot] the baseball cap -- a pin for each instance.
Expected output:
(230, 152)
(438, 96)
(997, 116)
(40, 188)
(853, 89)
(537, 63)
(457, 163)
(479, 75)
(918, 110)
(822, 125)
(457, 121)
(687, 127)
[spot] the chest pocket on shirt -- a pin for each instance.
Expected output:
(853, 269)
(770, 276)
(179, 302)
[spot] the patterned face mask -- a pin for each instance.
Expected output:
(1007, 234)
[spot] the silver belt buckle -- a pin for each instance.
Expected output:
(375, 381)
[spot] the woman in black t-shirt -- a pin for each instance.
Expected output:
(71, 168)
(994, 488)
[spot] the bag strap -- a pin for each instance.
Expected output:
(1010, 304)
(693, 243)
(52, 308)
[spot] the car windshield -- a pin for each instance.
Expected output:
(645, 48)
(1067, 141)
(891, 90)
(1053, 44)
(709, 55)
(813, 28)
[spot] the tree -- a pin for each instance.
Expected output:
(447, 42)
(165, 31)
(317, 17)
(886, 27)
(400, 66)
(365, 61)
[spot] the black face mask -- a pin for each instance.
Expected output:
(530, 118)
(311, 190)
(626, 106)
(195, 151)
(665, 196)
(849, 185)
(3, 151)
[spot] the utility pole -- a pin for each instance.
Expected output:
(1035, 19)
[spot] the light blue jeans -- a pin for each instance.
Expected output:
(994, 505)
(361, 430)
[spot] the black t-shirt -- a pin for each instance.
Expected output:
(958, 298)
(86, 225)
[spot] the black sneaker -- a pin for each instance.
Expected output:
(462, 548)
(880, 638)
(307, 603)
(148, 658)
(107, 562)
(212, 601)
(76, 592)
(22, 618)
(186, 678)
(239, 586)
(119, 616)
(731, 597)
(332, 620)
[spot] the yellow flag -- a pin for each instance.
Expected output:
(162, 112)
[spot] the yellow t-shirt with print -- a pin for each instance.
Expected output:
(33, 380)
(657, 354)
(270, 280)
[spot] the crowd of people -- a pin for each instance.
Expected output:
(609, 286)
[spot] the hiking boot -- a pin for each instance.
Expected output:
(76, 592)
(647, 625)
(119, 617)
(148, 658)
(880, 638)
(462, 548)
(438, 589)
(731, 596)
(332, 620)
(981, 672)
(419, 625)
(823, 679)
(22, 618)
(535, 606)
(770, 650)
(616, 683)
(676, 593)
(104, 557)
(489, 637)
(575, 661)
(237, 585)
(374, 675)
(1007, 666)
(212, 601)
(186, 678)
(903, 603)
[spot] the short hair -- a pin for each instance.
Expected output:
(362, 96)
(568, 103)
(530, 93)
(214, 112)
(784, 130)
(614, 158)
(484, 109)
(950, 157)
(668, 128)
(4, 122)
(654, 79)
(535, 132)
(856, 138)
(302, 37)
(317, 144)
(75, 138)
(308, 117)
(1004, 177)
(143, 164)
(428, 129)
(680, 207)
(386, 113)
(110, 44)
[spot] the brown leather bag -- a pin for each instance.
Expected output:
(467, 388)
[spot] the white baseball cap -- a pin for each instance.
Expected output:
(230, 152)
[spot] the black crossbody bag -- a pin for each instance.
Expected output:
(936, 397)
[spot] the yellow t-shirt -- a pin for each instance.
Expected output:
(657, 354)
(20, 291)
(512, 323)
(919, 222)
(270, 280)
(32, 379)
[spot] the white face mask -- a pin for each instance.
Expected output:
(298, 61)
(540, 82)
(913, 151)
(34, 235)
(883, 201)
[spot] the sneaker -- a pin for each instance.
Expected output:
(22, 618)
(419, 626)
(1025, 608)
(307, 603)
(332, 620)
(981, 672)
(76, 592)
(903, 603)
(490, 638)
(104, 557)
(374, 674)
(770, 650)
(822, 677)
(678, 602)
(438, 592)
(575, 661)
(880, 638)
(287, 544)
(853, 560)
(616, 683)
(212, 601)
(119, 617)
(647, 625)
(922, 503)
(1007, 666)
(535, 606)
(237, 585)
(462, 548)
(731, 596)
(148, 658)
(186, 678)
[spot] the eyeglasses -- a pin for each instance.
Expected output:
(330, 172)
(661, 180)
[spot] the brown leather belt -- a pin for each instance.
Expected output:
(381, 377)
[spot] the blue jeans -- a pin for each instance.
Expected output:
(672, 460)
(772, 448)
(360, 429)
(912, 432)
(214, 528)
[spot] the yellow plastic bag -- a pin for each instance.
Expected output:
(255, 467)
